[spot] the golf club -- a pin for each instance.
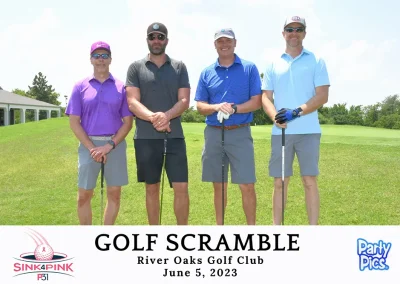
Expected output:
(102, 189)
(223, 170)
(163, 170)
(283, 175)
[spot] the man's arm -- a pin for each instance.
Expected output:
(267, 104)
(76, 127)
(269, 107)
(205, 108)
(181, 105)
(320, 98)
(251, 105)
(135, 106)
(123, 130)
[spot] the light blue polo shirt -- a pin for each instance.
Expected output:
(293, 81)
(234, 84)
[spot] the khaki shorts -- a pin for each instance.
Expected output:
(115, 169)
(306, 148)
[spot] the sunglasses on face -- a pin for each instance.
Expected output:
(98, 55)
(298, 30)
(153, 37)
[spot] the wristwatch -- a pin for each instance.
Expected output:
(112, 143)
(299, 111)
(234, 107)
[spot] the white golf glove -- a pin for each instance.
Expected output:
(222, 115)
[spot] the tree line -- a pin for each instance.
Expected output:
(385, 114)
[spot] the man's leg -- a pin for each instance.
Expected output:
(307, 151)
(181, 202)
(149, 160)
(218, 200)
(240, 151)
(88, 172)
(249, 201)
(312, 198)
(277, 199)
(116, 175)
(84, 206)
(212, 168)
(275, 170)
(153, 203)
(176, 167)
(113, 204)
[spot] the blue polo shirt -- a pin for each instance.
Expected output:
(234, 84)
(293, 81)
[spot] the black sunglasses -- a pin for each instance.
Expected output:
(298, 30)
(98, 55)
(153, 37)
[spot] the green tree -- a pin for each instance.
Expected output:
(371, 114)
(355, 116)
(339, 114)
(191, 115)
(390, 105)
(42, 91)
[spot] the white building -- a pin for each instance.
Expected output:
(10, 102)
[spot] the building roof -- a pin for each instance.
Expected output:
(11, 98)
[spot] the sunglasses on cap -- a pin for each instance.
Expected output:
(98, 55)
(153, 37)
(298, 30)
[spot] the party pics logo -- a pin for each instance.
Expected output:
(373, 256)
(43, 261)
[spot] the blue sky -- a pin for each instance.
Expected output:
(358, 41)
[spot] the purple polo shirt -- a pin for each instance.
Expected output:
(101, 106)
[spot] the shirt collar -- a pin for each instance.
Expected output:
(304, 51)
(147, 58)
(109, 77)
(236, 61)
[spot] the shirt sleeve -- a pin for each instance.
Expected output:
(124, 110)
(201, 91)
(184, 77)
(132, 78)
(321, 77)
(255, 82)
(268, 83)
(74, 106)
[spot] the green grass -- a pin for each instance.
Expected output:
(359, 179)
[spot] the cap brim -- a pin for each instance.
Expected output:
(156, 32)
(292, 23)
(101, 48)
(227, 36)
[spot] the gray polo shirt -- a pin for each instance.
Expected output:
(158, 92)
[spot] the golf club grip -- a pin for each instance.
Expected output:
(102, 172)
(163, 173)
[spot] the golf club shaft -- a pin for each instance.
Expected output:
(102, 189)
(223, 171)
(163, 170)
(283, 176)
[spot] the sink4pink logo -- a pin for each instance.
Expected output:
(43, 261)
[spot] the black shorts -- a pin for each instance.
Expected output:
(149, 160)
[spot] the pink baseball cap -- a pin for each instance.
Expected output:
(100, 45)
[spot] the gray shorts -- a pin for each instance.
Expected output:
(306, 148)
(115, 169)
(239, 155)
